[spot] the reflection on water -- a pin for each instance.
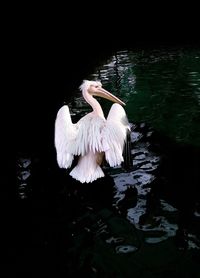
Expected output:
(133, 193)
(160, 87)
(143, 173)
(23, 177)
(124, 213)
(123, 249)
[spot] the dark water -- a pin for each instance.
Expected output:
(140, 220)
(160, 87)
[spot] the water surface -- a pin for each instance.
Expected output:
(160, 87)
(140, 219)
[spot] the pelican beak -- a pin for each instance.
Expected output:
(105, 94)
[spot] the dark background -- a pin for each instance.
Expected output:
(48, 64)
(46, 59)
(46, 55)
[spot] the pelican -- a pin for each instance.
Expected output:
(93, 137)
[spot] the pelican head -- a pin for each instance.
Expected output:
(94, 88)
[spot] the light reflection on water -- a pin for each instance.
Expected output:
(145, 162)
(160, 87)
(23, 177)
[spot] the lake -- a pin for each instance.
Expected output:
(142, 218)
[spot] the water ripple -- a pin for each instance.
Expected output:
(124, 249)
(23, 177)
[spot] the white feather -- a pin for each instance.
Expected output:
(76, 139)
(87, 169)
(92, 136)
(114, 135)
(88, 135)
(65, 134)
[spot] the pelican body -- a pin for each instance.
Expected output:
(93, 137)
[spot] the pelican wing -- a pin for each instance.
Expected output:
(114, 135)
(65, 134)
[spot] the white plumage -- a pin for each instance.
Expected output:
(92, 137)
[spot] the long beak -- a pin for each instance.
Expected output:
(105, 94)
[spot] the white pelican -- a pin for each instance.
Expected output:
(92, 137)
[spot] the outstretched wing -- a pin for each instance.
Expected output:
(65, 134)
(114, 135)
